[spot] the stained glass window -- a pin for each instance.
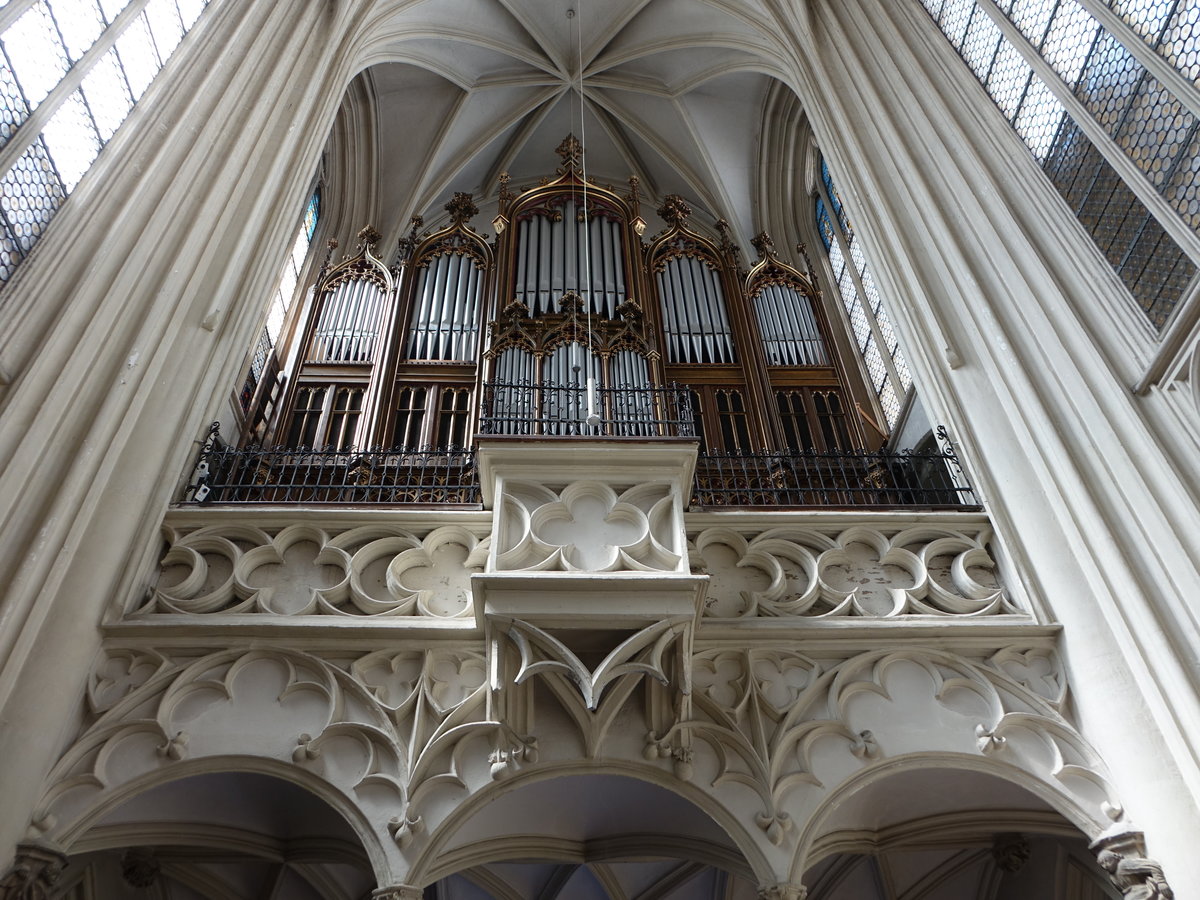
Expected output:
(869, 323)
(282, 297)
(87, 69)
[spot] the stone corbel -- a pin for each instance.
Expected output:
(398, 892)
(34, 873)
(1122, 854)
(782, 891)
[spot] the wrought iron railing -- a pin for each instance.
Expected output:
(226, 474)
(841, 479)
(549, 409)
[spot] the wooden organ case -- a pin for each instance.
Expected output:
(568, 324)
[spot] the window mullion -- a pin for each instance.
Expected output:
(13, 11)
(1134, 178)
(32, 127)
(885, 353)
(1185, 90)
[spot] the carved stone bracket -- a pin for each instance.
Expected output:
(398, 892)
(782, 892)
(1121, 852)
(34, 872)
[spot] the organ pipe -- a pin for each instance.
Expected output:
(696, 321)
(446, 309)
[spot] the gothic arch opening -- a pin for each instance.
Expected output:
(219, 834)
(930, 831)
(596, 835)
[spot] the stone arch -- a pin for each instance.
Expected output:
(280, 713)
(1059, 814)
(429, 863)
(236, 815)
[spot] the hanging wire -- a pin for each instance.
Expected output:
(593, 418)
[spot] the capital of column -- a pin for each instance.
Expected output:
(399, 892)
(782, 891)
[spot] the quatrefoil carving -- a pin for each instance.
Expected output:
(862, 571)
(588, 527)
(302, 570)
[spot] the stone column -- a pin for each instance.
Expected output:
(1022, 337)
(142, 297)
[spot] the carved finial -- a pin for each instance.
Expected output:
(34, 873)
(139, 867)
(329, 248)
(630, 311)
(635, 190)
(408, 243)
(515, 310)
(674, 211)
(802, 249)
(461, 208)
(731, 250)
(763, 244)
(368, 238)
(571, 304)
(506, 196)
(570, 151)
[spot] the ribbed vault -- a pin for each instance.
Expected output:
(675, 93)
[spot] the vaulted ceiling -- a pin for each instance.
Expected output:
(673, 91)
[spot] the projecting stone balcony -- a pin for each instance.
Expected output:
(589, 533)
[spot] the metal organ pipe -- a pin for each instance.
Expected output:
(349, 319)
(446, 309)
(789, 327)
(551, 259)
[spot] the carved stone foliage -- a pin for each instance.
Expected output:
(302, 570)
(862, 571)
(588, 527)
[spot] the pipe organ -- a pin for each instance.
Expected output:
(567, 314)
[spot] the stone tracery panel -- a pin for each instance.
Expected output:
(766, 730)
(862, 571)
(301, 570)
(588, 527)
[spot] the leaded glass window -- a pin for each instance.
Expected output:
(70, 72)
(870, 326)
(1111, 79)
